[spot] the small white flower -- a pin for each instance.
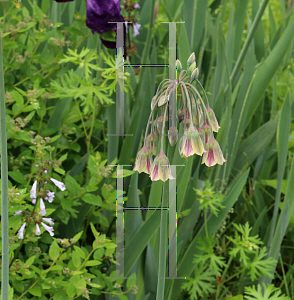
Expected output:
(34, 201)
(20, 232)
(50, 197)
(59, 184)
(49, 229)
(136, 27)
(18, 213)
(136, 5)
(42, 207)
(38, 231)
(48, 220)
(34, 190)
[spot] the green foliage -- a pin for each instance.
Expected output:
(270, 293)
(202, 283)
(209, 199)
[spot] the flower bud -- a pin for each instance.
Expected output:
(192, 67)
(207, 131)
(178, 65)
(154, 128)
(190, 60)
(195, 74)
(151, 143)
(173, 135)
(162, 100)
(180, 115)
(213, 120)
(160, 124)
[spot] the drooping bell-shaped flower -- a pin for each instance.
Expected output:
(213, 120)
(151, 143)
(191, 143)
(173, 135)
(207, 132)
(160, 169)
(143, 161)
(213, 154)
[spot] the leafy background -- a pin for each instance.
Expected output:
(247, 72)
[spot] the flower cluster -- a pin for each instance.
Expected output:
(197, 119)
(38, 192)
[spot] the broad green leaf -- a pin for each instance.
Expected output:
(54, 251)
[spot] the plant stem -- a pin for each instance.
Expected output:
(205, 223)
(4, 186)
(222, 278)
(163, 239)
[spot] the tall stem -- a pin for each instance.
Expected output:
(4, 185)
(163, 238)
(163, 127)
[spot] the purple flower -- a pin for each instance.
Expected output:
(38, 231)
(20, 232)
(33, 191)
(49, 229)
(19, 212)
(136, 27)
(50, 195)
(48, 220)
(59, 184)
(42, 207)
(100, 12)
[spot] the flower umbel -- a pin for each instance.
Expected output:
(160, 169)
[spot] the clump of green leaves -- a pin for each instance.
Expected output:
(245, 252)
(209, 199)
(270, 293)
